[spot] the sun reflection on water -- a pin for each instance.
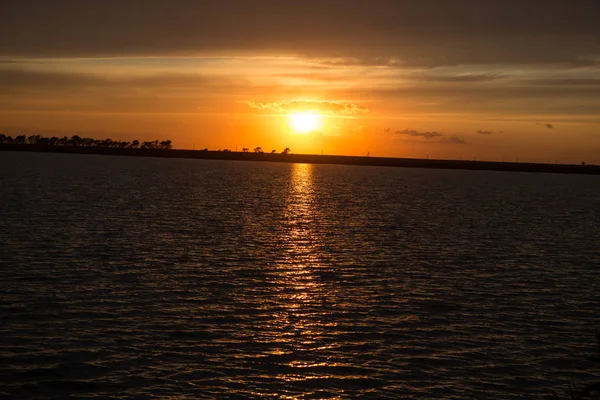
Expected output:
(298, 282)
(300, 321)
(300, 216)
(306, 325)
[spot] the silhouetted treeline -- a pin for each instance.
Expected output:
(159, 149)
(78, 141)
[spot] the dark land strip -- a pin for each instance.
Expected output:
(314, 159)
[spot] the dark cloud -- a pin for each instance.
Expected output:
(484, 132)
(466, 78)
(564, 82)
(489, 98)
(453, 139)
(549, 126)
(19, 79)
(433, 136)
(488, 92)
(23, 89)
(378, 32)
(426, 135)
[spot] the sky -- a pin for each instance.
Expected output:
(489, 79)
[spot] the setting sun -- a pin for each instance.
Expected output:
(304, 122)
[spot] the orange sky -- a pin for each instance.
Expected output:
(489, 92)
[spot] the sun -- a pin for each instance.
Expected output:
(305, 122)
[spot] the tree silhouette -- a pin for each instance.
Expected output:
(245, 149)
(87, 142)
(286, 151)
(258, 150)
(33, 139)
(78, 141)
(75, 140)
(166, 145)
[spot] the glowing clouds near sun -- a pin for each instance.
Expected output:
(323, 107)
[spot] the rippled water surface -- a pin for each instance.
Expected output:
(137, 278)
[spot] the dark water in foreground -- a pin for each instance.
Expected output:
(137, 278)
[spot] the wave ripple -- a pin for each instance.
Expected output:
(154, 278)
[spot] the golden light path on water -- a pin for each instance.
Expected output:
(301, 322)
(295, 276)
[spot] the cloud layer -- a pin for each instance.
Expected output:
(427, 135)
(486, 132)
(295, 106)
(413, 133)
(548, 126)
(372, 32)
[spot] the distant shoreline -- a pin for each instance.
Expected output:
(314, 159)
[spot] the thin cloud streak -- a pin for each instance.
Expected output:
(465, 78)
(453, 139)
(413, 133)
(427, 135)
(295, 106)
(548, 126)
(20, 78)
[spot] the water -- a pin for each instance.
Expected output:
(139, 278)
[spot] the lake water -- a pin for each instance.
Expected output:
(138, 278)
